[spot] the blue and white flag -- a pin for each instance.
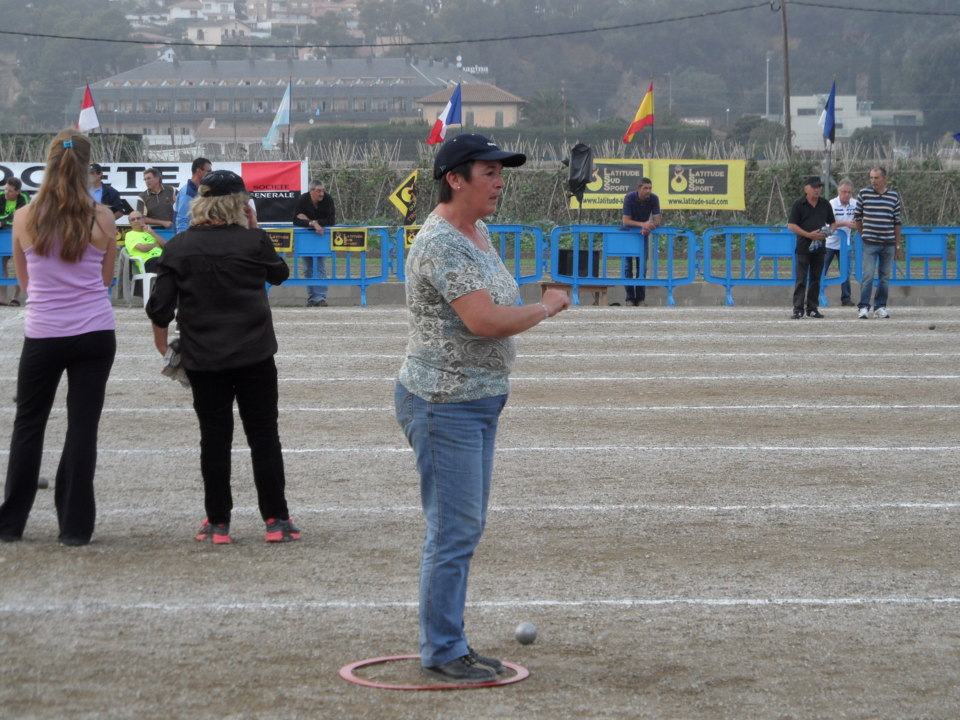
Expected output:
(282, 118)
(828, 118)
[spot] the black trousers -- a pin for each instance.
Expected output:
(255, 389)
(806, 293)
(634, 267)
(87, 360)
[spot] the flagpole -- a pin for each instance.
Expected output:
(653, 127)
(286, 148)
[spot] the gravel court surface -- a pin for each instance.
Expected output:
(708, 513)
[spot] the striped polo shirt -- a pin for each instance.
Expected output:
(880, 213)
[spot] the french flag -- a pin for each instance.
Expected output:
(451, 115)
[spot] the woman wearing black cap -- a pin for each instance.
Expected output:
(454, 384)
(212, 277)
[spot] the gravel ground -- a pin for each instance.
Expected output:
(707, 512)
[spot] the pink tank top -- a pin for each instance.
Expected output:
(66, 298)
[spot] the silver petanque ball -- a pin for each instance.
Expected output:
(526, 633)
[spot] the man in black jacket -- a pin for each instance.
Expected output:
(315, 210)
(104, 192)
(811, 219)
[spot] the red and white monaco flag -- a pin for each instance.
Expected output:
(88, 113)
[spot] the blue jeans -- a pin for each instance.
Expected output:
(453, 444)
(875, 254)
(315, 292)
(845, 285)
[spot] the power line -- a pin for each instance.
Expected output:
(469, 41)
(828, 6)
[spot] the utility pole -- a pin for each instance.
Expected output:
(786, 78)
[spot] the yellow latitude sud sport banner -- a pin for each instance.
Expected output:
(680, 184)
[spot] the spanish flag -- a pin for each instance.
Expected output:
(643, 118)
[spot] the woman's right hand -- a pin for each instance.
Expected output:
(555, 301)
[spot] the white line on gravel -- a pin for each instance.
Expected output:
(195, 605)
(565, 449)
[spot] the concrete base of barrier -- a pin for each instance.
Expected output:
(698, 294)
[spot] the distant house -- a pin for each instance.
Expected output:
(218, 32)
(851, 114)
(483, 105)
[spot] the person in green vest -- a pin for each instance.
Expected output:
(13, 198)
(142, 243)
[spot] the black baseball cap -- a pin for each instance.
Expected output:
(96, 168)
(814, 182)
(471, 146)
(223, 182)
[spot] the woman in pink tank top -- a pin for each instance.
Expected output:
(64, 247)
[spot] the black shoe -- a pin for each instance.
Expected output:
(848, 303)
(490, 662)
(10, 538)
(797, 314)
(73, 541)
(322, 303)
(814, 313)
(464, 669)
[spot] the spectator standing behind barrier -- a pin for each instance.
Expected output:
(212, 278)
(105, 192)
(844, 208)
(454, 384)
(315, 210)
(811, 218)
(142, 243)
(65, 247)
(187, 192)
(879, 218)
(156, 202)
(13, 199)
(641, 210)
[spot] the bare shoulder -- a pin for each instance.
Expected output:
(104, 227)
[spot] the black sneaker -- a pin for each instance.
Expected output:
(814, 313)
(464, 669)
(797, 314)
(490, 662)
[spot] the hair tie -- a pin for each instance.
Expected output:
(68, 143)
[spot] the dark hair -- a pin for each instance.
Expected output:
(644, 181)
(96, 168)
(15, 181)
(464, 170)
(199, 164)
(153, 171)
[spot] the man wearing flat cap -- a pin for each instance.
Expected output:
(811, 219)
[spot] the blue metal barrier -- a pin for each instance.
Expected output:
(343, 267)
(748, 255)
(930, 250)
(521, 249)
(6, 251)
(602, 251)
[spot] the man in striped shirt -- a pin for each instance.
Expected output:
(878, 219)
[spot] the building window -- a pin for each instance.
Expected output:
(469, 118)
(498, 118)
(806, 111)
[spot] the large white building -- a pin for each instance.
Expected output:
(851, 114)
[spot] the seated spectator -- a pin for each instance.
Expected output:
(13, 199)
(142, 243)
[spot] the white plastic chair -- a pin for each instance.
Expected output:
(128, 279)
